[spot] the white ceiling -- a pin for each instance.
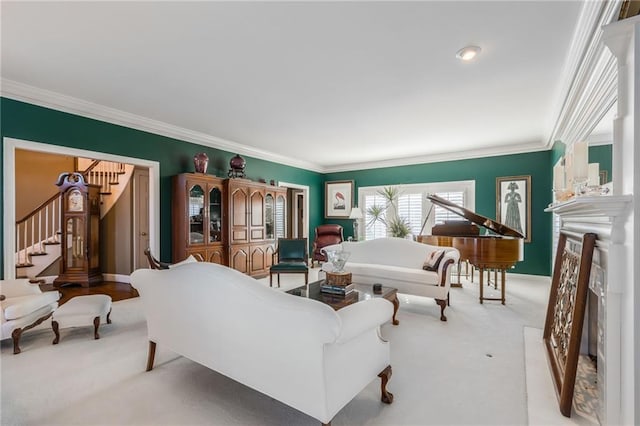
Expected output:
(323, 85)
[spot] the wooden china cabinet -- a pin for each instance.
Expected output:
(199, 216)
(234, 222)
(256, 219)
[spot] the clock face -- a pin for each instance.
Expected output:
(76, 201)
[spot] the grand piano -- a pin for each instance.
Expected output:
(497, 252)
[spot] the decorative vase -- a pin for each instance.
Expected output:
(237, 165)
(338, 259)
(200, 162)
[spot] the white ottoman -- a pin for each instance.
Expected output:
(81, 311)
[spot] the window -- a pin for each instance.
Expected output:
(413, 206)
(377, 229)
(410, 209)
(441, 214)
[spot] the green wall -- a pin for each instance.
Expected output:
(29, 122)
(484, 171)
(20, 120)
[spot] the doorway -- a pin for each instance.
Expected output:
(298, 200)
(10, 146)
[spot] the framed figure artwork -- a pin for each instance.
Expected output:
(513, 204)
(338, 199)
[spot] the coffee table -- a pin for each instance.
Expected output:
(362, 292)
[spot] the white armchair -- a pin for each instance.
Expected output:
(23, 306)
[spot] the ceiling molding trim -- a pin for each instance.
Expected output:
(48, 99)
(590, 77)
(438, 158)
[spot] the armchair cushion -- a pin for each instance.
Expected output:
(18, 307)
(289, 267)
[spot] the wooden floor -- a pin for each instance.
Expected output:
(117, 291)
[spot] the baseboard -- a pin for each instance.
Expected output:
(120, 278)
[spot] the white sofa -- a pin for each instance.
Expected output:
(296, 350)
(23, 306)
(398, 262)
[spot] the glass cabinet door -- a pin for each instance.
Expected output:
(269, 216)
(280, 217)
(215, 215)
(196, 215)
(75, 243)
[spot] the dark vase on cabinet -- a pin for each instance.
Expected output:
(198, 218)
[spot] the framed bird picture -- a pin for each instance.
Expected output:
(513, 204)
(338, 199)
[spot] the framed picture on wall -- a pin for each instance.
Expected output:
(338, 199)
(513, 203)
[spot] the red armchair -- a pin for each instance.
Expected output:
(326, 235)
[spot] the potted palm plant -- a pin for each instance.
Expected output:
(387, 214)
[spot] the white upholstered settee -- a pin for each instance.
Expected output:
(296, 350)
(23, 306)
(398, 262)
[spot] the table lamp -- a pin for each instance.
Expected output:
(356, 214)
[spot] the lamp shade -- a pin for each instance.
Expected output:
(356, 213)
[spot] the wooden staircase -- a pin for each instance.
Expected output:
(38, 233)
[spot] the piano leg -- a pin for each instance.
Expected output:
(481, 273)
(504, 282)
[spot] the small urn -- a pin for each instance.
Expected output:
(237, 165)
(200, 162)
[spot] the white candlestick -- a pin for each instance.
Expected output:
(558, 177)
(580, 162)
(594, 174)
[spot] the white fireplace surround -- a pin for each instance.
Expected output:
(605, 216)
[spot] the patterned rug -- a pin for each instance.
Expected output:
(585, 396)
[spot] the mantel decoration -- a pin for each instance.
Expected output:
(513, 203)
(565, 313)
(237, 165)
(200, 162)
(573, 175)
(338, 199)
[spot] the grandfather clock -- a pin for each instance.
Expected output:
(80, 231)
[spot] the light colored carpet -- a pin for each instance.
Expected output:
(467, 371)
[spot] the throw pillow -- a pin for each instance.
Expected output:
(433, 260)
(189, 259)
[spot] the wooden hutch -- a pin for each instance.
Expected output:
(233, 222)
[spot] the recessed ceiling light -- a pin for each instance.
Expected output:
(468, 53)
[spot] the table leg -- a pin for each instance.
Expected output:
(504, 282)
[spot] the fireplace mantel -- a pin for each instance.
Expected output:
(592, 206)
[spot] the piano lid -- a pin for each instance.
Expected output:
(485, 222)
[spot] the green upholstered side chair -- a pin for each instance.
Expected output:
(290, 257)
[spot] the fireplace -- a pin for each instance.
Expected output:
(601, 338)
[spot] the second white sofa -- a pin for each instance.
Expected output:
(397, 262)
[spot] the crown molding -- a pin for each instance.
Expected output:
(49, 99)
(438, 158)
(589, 88)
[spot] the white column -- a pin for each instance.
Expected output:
(623, 39)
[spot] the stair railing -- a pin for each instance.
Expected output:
(37, 229)
(104, 174)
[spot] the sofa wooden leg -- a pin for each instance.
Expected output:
(151, 356)
(15, 336)
(385, 375)
(443, 304)
(56, 331)
(96, 325)
(109, 317)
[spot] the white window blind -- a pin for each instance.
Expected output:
(442, 214)
(377, 229)
(410, 209)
